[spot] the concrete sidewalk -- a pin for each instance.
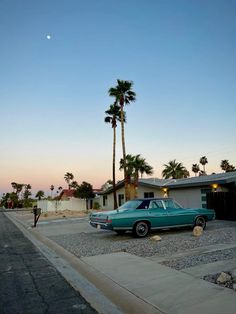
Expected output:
(140, 285)
(170, 290)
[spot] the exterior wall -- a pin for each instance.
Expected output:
(194, 197)
(52, 206)
(190, 197)
(145, 189)
(109, 202)
(141, 190)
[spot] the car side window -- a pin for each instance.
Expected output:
(170, 204)
(156, 205)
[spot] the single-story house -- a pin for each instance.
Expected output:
(189, 192)
(66, 194)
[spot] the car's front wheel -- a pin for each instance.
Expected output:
(141, 229)
(200, 222)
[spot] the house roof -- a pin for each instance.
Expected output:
(219, 178)
(67, 193)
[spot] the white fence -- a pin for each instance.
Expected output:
(55, 205)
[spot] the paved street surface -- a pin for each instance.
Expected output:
(28, 282)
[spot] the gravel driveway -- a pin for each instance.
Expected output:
(89, 242)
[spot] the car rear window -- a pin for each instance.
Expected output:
(144, 205)
(131, 204)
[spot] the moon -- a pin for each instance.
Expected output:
(48, 36)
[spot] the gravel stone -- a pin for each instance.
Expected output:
(205, 258)
(96, 242)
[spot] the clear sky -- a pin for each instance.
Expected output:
(180, 54)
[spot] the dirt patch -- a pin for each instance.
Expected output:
(63, 214)
(28, 214)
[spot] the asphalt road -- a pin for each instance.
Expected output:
(28, 282)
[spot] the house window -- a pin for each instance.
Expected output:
(121, 199)
(104, 200)
(203, 197)
(148, 194)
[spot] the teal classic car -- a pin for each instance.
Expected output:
(143, 215)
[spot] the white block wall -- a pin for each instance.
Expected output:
(74, 204)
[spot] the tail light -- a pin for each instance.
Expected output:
(108, 220)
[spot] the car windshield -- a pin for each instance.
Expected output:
(134, 204)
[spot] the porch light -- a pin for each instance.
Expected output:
(214, 186)
(165, 192)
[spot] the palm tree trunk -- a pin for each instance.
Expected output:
(136, 184)
(127, 196)
(114, 168)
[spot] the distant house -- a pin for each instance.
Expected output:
(66, 194)
(190, 192)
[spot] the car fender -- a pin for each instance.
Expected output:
(201, 215)
(142, 219)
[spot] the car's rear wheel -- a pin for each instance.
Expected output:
(141, 229)
(200, 222)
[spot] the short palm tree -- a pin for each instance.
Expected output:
(114, 115)
(123, 96)
(39, 195)
(195, 169)
(68, 178)
(203, 161)
(226, 166)
(74, 184)
(141, 167)
(136, 166)
(174, 170)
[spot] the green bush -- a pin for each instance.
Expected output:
(96, 205)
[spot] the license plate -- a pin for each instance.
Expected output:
(98, 227)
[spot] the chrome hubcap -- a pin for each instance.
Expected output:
(142, 229)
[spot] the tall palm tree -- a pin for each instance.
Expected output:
(39, 194)
(136, 166)
(174, 170)
(123, 96)
(114, 115)
(203, 161)
(68, 178)
(195, 169)
(51, 188)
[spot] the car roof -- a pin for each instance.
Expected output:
(152, 199)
